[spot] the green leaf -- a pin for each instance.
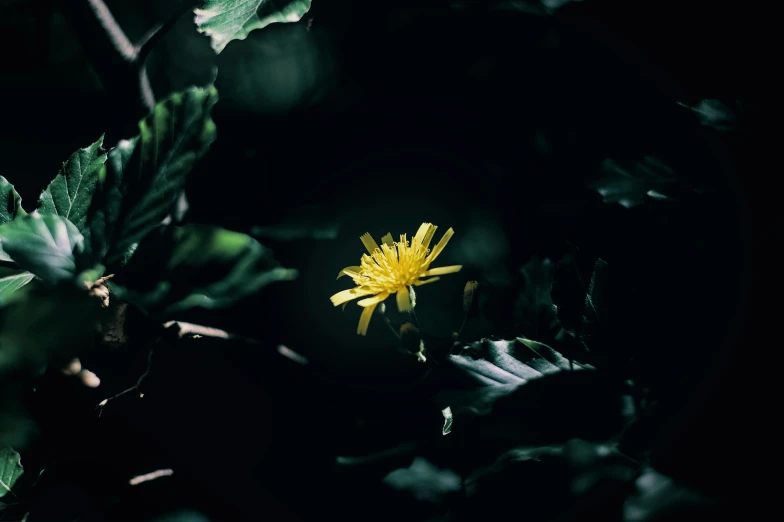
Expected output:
(44, 245)
(227, 20)
(11, 280)
(10, 202)
(179, 268)
(45, 322)
(10, 470)
(513, 362)
(70, 193)
(146, 174)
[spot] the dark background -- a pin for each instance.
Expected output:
(379, 117)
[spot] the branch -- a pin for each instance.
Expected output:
(113, 31)
(119, 63)
(135, 387)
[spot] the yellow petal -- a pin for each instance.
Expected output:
(347, 295)
(425, 234)
(426, 281)
(441, 270)
(403, 300)
(350, 270)
(369, 242)
(440, 246)
(387, 240)
(364, 319)
(373, 301)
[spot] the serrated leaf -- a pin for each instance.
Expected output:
(10, 202)
(659, 497)
(44, 245)
(227, 20)
(179, 268)
(11, 280)
(10, 470)
(146, 174)
(70, 193)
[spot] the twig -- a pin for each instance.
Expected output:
(198, 330)
(391, 328)
(135, 387)
(119, 63)
(414, 316)
(135, 481)
(116, 35)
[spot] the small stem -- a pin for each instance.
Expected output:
(135, 387)
(391, 328)
(414, 316)
(122, 43)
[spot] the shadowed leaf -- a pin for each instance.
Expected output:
(179, 268)
(146, 174)
(649, 178)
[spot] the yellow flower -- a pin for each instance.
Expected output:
(392, 269)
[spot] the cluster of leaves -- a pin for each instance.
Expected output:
(546, 407)
(517, 412)
(110, 225)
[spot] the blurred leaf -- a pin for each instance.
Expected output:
(658, 497)
(424, 481)
(179, 268)
(714, 114)
(531, 6)
(44, 245)
(45, 322)
(146, 174)
(227, 20)
(561, 480)
(10, 470)
(10, 202)
(649, 178)
(11, 280)
(305, 222)
(70, 193)
(183, 515)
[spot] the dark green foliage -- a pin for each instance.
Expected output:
(178, 268)
(145, 175)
